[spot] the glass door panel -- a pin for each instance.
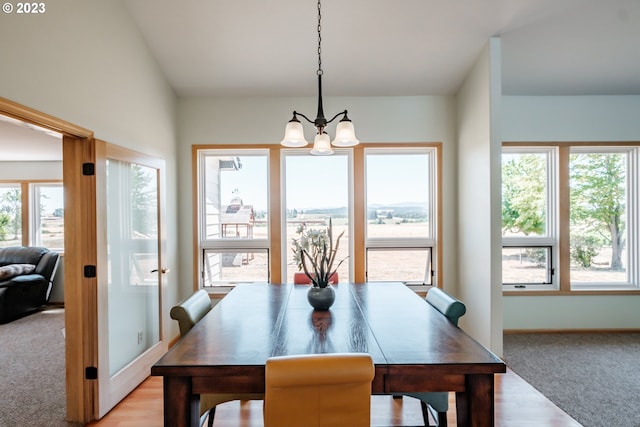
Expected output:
(132, 233)
(130, 273)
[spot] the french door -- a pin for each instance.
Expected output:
(130, 271)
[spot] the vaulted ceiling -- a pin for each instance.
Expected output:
(384, 47)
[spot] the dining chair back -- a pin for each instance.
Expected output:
(189, 312)
(300, 278)
(318, 390)
(452, 309)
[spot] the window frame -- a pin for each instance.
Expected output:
(562, 284)
(551, 238)
(205, 244)
(35, 216)
(408, 243)
(30, 207)
(633, 174)
(284, 153)
(275, 244)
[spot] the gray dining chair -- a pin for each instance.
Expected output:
(452, 309)
(189, 312)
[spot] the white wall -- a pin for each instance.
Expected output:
(571, 118)
(30, 170)
(478, 257)
(262, 120)
(85, 62)
(579, 118)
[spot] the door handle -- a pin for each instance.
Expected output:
(163, 270)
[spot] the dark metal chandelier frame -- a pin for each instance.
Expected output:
(345, 134)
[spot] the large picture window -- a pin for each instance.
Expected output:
(570, 217)
(316, 190)
(598, 217)
(252, 201)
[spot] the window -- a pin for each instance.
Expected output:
(234, 233)
(528, 217)
(316, 190)
(529, 265)
(48, 216)
(598, 219)
(400, 233)
(570, 217)
(252, 200)
(32, 214)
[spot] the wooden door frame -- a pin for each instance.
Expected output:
(80, 251)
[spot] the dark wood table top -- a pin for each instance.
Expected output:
(398, 328)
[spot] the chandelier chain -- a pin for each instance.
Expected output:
(319, 41)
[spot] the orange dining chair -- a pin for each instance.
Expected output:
(318, 390)
(300, 278)
(189, 312)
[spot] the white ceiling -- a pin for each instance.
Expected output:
(23, 142)
(379, 47)
(385, 47)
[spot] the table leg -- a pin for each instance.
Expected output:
(181, 408)
(475, 406)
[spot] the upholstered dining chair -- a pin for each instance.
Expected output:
(452, 309)
(299, 278)
(318, 390)
(189, 312)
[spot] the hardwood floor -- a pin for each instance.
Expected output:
(518, 404)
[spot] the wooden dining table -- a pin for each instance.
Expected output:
(413, 347)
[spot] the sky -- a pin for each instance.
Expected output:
(52, 196)
(323, 181)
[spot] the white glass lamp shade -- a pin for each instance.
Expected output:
(345, 134)
(294, 135)
(322, 145)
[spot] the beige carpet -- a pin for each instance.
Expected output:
(32, 371)
(594, 377)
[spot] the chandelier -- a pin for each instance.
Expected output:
(345, 133)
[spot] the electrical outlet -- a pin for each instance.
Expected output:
(140, 337)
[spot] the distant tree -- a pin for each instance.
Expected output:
(598, 198)
(389, 215)
(11, 206)
(143, 201)
(523, 195)
(4, 222)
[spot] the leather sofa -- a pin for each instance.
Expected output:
(26, 276)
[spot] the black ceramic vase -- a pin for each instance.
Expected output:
(321, 298)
